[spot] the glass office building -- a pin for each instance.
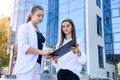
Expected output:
(108, 31)
(115, 14)
(99, 30)
(55, 12)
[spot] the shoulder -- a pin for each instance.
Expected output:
(23, 29)
(24, 26)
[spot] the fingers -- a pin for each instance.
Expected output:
(50, 50)
(74, 45)
(47, 51)
(48, 56)
(55, 58)
(74, 49)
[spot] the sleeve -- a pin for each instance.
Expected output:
(23, 39)
(82, 59)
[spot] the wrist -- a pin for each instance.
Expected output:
(55, 61)
(78, 53)
(39, 51)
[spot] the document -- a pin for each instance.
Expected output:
(63, 49)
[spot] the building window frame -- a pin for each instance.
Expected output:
(99, 25)
(98, 3)
(108, 74)
(100, 56)
(113, 75)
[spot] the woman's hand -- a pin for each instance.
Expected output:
(55, 58)
(48, 56)
(47, 51)
(75, 49)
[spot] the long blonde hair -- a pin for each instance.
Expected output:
(63, 36)
(32, 11)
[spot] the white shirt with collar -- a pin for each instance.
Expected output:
(26, 38)
(71, 61)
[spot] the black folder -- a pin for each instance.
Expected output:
(63, 49)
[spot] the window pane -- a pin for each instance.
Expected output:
(100, 56)
(99, 27)
(115, 12)
(115, 6)
(108, 74)
(116, 30)
(115, 1)
(116, 25)
(64, 8)
(116, 37)
(98, 3)
(74, 4)
(108, 38)
(29, 5)
(116, 48)
(116, 20)
(63, 1)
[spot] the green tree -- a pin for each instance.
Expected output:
(4, 32)
(119, 70)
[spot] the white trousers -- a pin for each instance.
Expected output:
(33, 74)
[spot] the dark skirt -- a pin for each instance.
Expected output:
(67, 75)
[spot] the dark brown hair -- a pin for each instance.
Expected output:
(63, 36)
(32, 11)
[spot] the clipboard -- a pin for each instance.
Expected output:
(63, 49)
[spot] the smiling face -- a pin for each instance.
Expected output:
(66, 28)
(37, 16)
(67, 31)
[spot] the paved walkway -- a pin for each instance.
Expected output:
(46, 77)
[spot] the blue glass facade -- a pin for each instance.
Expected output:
(52, 23)
(58, 10)
(55, 12)
(98, 3)
(21, 9)
(109, 49)
(75, 10)
(115, 10)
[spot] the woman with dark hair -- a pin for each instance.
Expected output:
(30, 51)
(68, 66)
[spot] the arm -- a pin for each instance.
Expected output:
(38, 51)
(82, 57)
(23, 45)
(79, 50)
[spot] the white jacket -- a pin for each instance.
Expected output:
(26, 38)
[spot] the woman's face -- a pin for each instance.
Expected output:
(67, 28)
(37, 16)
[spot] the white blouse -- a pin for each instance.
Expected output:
(71, 61)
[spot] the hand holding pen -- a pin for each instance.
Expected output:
(47, 50)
